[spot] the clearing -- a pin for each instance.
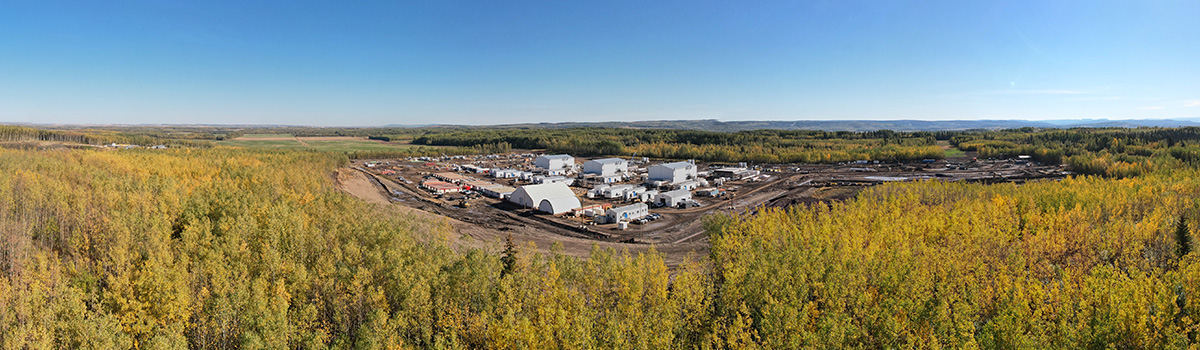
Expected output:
(317, 143)
(490, 237)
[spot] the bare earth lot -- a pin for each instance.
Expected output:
(679, 234)
(490, 234)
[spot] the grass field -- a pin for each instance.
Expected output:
(327, 144)
(954, 152)
(265, 136)
(950, 151)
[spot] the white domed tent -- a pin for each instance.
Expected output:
(553, 198)
(559, 205)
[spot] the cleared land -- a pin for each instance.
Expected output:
(484, 229)
(484, 222)
(317, 143)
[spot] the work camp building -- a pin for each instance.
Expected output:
(672, 173)
(551, 198)
(557, 162)
(606, 167)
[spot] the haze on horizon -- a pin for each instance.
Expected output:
(456, 62)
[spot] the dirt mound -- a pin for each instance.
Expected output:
(357, 184)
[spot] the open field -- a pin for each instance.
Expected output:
(267, 136)
(317, 143)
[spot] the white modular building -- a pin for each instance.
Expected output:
(647, 196)
(617, 191)
(607, 167)
(687, 185)
(597, 191)
(628, 213)
(552, 198)
(553, 179)
(505, 173)
(558, 162)
(635, 192)
(611, 178)
(672, 172)
(673, 198)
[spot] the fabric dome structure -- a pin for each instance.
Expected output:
(552, 198)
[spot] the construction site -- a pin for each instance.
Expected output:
(643, 201)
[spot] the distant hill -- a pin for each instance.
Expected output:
(853, 125)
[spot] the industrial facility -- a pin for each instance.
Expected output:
(641, 201)
(558, 164)
(606, 167)
(671, 173)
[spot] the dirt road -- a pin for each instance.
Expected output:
(476, 235)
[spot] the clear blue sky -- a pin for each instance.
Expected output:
(490, 62)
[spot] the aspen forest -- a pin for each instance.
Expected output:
(204, 246)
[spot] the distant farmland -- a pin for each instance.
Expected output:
(318, 143)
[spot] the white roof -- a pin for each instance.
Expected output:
(676, 193)
(608, 160)
(557, 156)
(560, 204)
(543, 191)
(629, 208)
(678, 165)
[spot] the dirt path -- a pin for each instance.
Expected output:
(470, 235)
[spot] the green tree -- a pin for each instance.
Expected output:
(509, 256)
(1183, 237)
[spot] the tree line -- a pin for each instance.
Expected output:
(767, 146)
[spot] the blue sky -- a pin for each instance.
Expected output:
(491, 62)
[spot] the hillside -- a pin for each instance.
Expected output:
(256, 248)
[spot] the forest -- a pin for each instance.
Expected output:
(760, 146)
(221, 247)
(1116, 152)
